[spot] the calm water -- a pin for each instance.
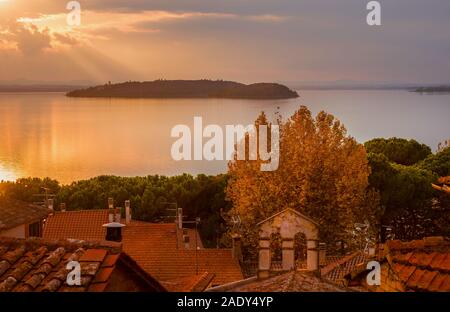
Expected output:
(70, 139)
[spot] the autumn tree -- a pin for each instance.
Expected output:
(322, 173)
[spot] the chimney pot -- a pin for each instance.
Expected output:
(180, 218)
(50, 203)
(117, 214)
(186, 241)
(110, 203)
(127, 212)
(114, 231)
(111, 215)
(237, 247)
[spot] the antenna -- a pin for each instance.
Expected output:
(46, 199)
(361, 235)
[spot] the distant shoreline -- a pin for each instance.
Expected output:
(69, 88)
(439, 89)
(36, 88)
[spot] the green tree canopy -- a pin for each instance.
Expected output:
(438, 163)
(401, 151)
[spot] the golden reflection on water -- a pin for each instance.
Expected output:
(7, 174)
(50, 135)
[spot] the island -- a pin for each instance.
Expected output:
(187, 89)
(436, 89)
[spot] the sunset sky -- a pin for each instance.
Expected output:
(244, 40)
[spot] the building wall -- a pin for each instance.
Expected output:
(17, 232)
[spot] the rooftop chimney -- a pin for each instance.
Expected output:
(180, 218)
(117, 214)
(50, 203)
(110, 203)
(186, 239)
(62, 207)
(237, 247)
(127, 212)
(111, 210)
(114, 231)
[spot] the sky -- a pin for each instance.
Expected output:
(242, 40)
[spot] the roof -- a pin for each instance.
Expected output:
(195, 283)
(88, 225)
(293, 281)
(40, 265)
(421, 265)
(77, 224)
(14, 213)
(154, 246)
(337, 270)
(288, 210)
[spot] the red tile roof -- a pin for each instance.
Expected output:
(15, 212)
(421, 265)
(82, 224)
(40, 265)
(337, 270)
(154, 246)
(293, 281)
(195, 283)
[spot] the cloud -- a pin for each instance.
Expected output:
(65, 39)
(249, 40)
(30, 40)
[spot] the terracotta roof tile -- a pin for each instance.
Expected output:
(40, 265)
(103, 275)
(294, 281)
(89, 268)
(421, 259)
(415, 278)
(110, 260)
(422, 264)
(445, 286)
(195, 283)
(14, 213)
(83, 224)
(98, 287)
(437, 261)
(97, 255)
(406, 271)
(336, 271)
(426, 279)
(437, 282)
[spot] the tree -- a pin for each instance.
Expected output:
(322, 173)
(405, 194)
(438, 163)
(401, 151)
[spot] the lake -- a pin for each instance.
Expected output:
(48, 134)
